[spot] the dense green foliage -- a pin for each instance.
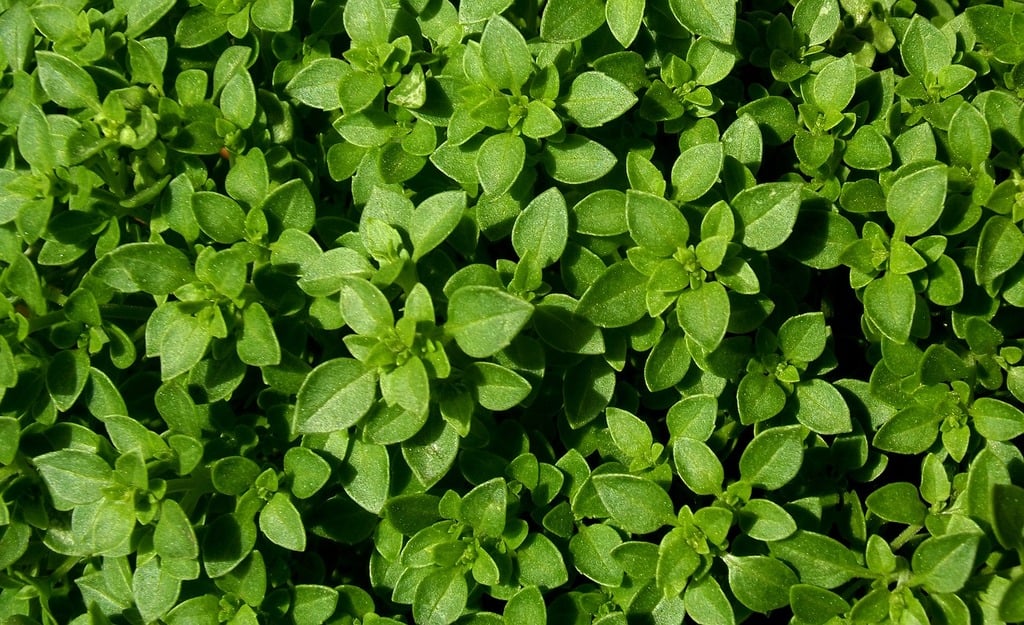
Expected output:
(505, 312)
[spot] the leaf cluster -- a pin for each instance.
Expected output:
(507, 312)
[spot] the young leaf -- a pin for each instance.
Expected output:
(821, 408)
(714, 19)
(636, 504)
(154, 268)
(760, 583)
(484, 319)
(542, 228)
(767, 213)
(499, 162)
(334, 396)
(704, 314)
(577, 159)
(696, 170)
(434, 220)
(698, 466)
(916, 199)
(616, 298)
(624, 18)
(595, 99)
(567, 21)
(506, 59)
(889, 303)
(1000, 248)
(66, 83)
(655, 224)
(773, 458)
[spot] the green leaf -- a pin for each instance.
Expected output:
(817, 20)
(925, 50)
(591, 548)
(760, 583)
(474, 11)
(408, 386)
(835, 83)
(1011, 608)
(483, 508)
(73, 477)
(484, 319)
(540, 562)
(155, 592)
(17, 35)
(707, 604)
(868, 149)
(497, 388)
(970, 140)
(818, 559)
(199, 27)
(174, 537)
(944, 563)
(698, 466)
(506, 59)
(273, 15)
(616, 298)
(282, 524)
(334, 396)
(542, 229)
(526, 607)
(318, 84)
(290, 205)
(773, 458)
(766, 520)
(440, 597)
(238, 100)
(257, 344)
(889, 303)
(714, 19)
(898, 502)
(35, 140)
(499, 162)
(758, 398)
(916, 199)
(624, 18)
(568, 21)
(366, 476)
(668, 362)
(154, 268)
(696, 170)
(219, 217)
(577, 159)
(655, 224)
(821, 408)
(704, 314)
(66, 83)
(434, 220)
(1008, 505)
(540, 121)
(1000, 248)
(996, 420)
(814, 605)
(636, 504)
(66, 376)
(767, 214)
(595, 99)
(364, 308)
(910, 431)
(309, 472)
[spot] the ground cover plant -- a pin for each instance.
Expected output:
(499, 311)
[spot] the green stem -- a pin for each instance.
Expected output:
(905, 537)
